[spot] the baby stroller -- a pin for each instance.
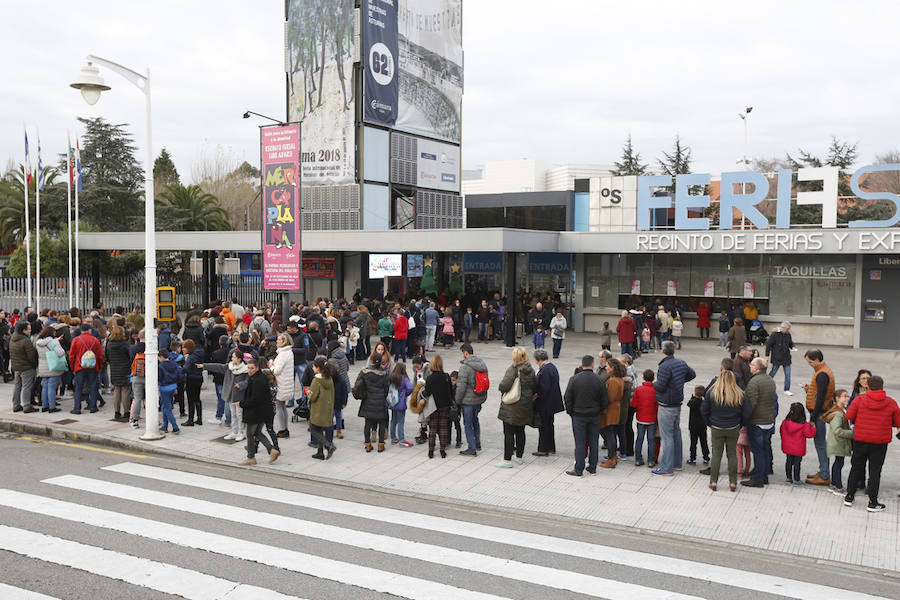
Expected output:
(758, 333)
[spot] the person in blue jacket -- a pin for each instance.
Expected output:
(169, 373)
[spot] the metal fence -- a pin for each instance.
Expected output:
(128, 291)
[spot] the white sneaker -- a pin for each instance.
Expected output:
(519, 461)
(504, 464)
(240, 438)
(230, 436)
(788, 393)
(214, 422)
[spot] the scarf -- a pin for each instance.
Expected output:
(237, 369)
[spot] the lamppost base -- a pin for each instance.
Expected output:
(152, 437)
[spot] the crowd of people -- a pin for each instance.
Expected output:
(268, 371)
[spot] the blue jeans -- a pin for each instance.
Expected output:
(669, 420)
(837, 465)
(483, 332)
(220, 405)
(627, 348)
(586, 431)
(472, 425)
(398, 425)
(557, 346)
(759, 448)
(650, 431)
(819, 442)
(165, 405)
(48, 391)
(88, 378)
(400, 350)
(787, 375)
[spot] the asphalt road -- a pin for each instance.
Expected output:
(83, 522)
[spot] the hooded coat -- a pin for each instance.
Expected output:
(375, 404)
(465, 382)
(283, 369)
(321, 401)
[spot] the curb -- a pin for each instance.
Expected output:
(61, 433)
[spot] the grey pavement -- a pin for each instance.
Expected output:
(235, 533)
(801, 521)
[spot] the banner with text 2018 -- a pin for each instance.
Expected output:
(280, 151)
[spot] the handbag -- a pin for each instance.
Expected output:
(511, 396)
(55, 362)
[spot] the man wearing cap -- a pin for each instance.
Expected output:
(778, 349)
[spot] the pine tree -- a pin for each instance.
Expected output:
(111, 198)
(631, 161)
(678, 162)
(455, 282)
(164, 174)
(428, 285)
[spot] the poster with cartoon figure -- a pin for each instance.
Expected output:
(280, 206)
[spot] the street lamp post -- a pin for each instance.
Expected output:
(745, 117)
(91, 85)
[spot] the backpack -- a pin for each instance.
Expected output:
(482, 382)
(393, 396)
(88, 360)
(138, 366)
(359, 389)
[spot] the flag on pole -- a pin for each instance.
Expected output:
(77, 165)
(71, 162)
(28, 178)
(40, 168)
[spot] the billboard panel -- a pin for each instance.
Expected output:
(431, 68)
(280, 153)
(382, 84)
(385, 265)
(320, 72)
(437, 165)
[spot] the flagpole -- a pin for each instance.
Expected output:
(26, 238)
(37, 234)
(69, 210)
(77, 173)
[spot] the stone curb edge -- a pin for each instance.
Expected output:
(62, 433)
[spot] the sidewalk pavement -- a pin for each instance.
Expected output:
(804, 521)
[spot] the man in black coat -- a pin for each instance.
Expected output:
(586, 399)
(547, 403)
(778, 350)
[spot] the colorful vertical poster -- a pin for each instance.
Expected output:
(280, 153)
(671, 287)
(636, 287)
(382, 83)
(709, 289)
(749, 289)
(319, 54)
(415, 265)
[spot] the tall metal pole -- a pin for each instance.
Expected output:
(77, 262)
(27, 237)
(71, 284)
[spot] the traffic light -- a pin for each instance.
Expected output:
(165, 304)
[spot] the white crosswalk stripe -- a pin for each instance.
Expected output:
(123, 567)
(778, 586)
(577, 582)
(10, 592)
(365, 577)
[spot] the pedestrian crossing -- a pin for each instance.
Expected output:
(481, 562)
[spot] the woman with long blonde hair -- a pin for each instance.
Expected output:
(725, 409)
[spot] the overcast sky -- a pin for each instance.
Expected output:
(563, 82)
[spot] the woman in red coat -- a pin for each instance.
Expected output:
(703, 314)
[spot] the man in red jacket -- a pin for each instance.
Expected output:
(873, 414)
(85, 375)
(626, 328)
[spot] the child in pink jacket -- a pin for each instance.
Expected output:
(795, 430)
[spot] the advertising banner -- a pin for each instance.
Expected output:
(319, 267)
(636, 286)
(382, 85)
(319, 61)
(280, 153)
(415, 265)
(385, 265)
(709, 289)
(431, 68)
(437, 165)
(671, 287)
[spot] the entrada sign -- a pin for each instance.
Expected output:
(746, 203)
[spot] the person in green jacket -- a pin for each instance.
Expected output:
(386, 331)
(516, 415)
(321, 406)
(838, 439)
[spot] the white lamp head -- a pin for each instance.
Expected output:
(90, 83)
